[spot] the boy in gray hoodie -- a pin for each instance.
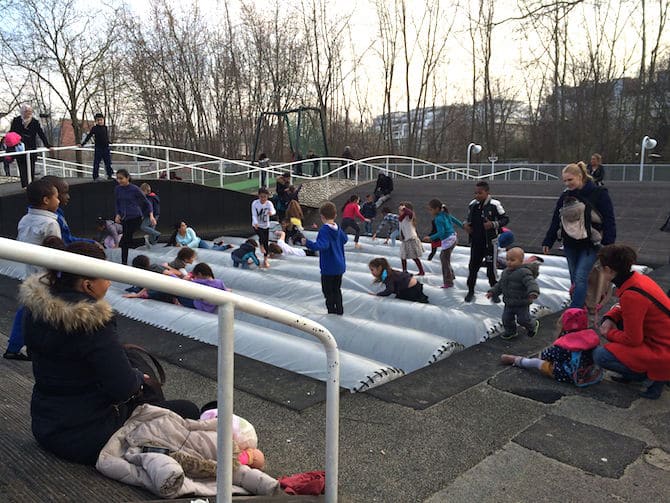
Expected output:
(519, 289)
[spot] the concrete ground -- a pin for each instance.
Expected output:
(464, 429)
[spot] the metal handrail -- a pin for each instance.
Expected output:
(88, 266)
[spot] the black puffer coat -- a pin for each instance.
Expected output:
(82, 376)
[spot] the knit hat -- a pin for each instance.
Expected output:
(574, 319)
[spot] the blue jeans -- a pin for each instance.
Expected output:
(16, 336)
(603, 358)
(368, 227)
(393, 236)
(102, 154)
(147, 228)
(580, 263)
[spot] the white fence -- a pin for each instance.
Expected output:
(150, 161)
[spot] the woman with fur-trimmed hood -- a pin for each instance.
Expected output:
(84, 384)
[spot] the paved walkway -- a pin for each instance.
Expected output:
(464, 429)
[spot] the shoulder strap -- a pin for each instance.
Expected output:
(656, 302)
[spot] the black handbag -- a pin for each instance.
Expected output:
(152, 389)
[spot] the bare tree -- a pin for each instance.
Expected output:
(61, 44)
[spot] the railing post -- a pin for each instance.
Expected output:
(44, 163)
(167, 163)
(623, 174)
(62, 169)
(224, 397)
(412, 170)
(221, 168)
(29, 171)
(387, 166)
(356, 172)
(332, 422)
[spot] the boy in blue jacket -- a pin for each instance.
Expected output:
(330, 245)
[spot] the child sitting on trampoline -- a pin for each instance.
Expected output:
(403, 284)
(244, 253)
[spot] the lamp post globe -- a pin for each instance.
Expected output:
(647, 144)
(472, 147)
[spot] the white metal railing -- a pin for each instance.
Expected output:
(157, 161)
(227, 302)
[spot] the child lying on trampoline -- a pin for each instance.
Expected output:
(403, 284)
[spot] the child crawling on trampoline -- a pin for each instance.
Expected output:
(569, 358)
(403, 284)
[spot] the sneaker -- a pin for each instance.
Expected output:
(147, 243)
(654, 391)
(510, 359)
(536, 327)
(447, 286)
(469, 297)
(509, 335)
(16, 356)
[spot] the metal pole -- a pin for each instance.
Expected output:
(332, 422)
(642, 149)
(167, 163)
(44, 164)
(221, 174)
(29, 170)
(224, 397)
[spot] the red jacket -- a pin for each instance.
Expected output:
(644, 343)
(351, 210)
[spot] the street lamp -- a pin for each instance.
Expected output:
(492, 160)
(647, 144)
(474, 147)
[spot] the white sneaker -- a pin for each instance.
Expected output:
(147, 243)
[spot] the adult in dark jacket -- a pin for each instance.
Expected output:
(638, 328)
(596, 169)
(581, 254)
(29, 129)
(383, 189)
(84, 384)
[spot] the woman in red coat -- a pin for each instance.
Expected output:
(638, 328)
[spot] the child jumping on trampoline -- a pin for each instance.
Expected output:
(350, 212)
(390, 224)
(446, 236)
(486, 218)
(410, 247)
(261, 211)
(330, 245)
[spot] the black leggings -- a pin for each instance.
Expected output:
(130, 227)
(22, 162)
(414, 294)
(185, 408)
(350, 222)
(264, 240)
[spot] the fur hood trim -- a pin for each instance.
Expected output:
(82, 315)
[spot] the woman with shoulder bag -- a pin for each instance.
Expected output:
(85, 387)
(581, 251)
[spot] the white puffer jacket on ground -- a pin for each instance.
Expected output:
(122, 458)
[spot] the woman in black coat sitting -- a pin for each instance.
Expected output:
(85, 387)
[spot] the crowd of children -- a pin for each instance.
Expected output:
(570, 359)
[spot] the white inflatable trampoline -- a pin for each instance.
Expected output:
(380, 338)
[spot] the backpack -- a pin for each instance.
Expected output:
(582, 374)
(579, 219)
